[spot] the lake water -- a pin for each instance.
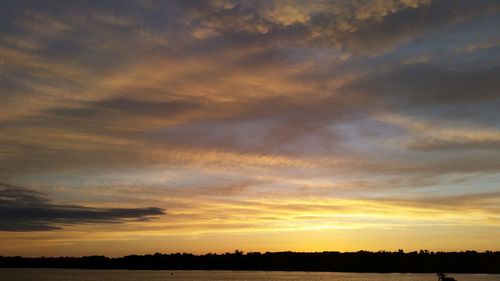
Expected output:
(32, 274)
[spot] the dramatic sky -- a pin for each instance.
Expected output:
(209, 126)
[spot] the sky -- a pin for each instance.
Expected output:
(209, 126)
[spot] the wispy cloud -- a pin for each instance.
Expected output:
(26, 210)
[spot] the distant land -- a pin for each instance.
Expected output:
(422, 261)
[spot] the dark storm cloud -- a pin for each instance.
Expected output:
(22, 209)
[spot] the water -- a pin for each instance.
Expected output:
(33, 274)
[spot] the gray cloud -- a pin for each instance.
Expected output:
(22, 209)
(486, 201)
(429, 84)
(119, 107)
(377, 35)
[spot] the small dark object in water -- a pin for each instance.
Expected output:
(443, 277)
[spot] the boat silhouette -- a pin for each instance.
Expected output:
(443, 277)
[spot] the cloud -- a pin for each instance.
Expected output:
(486, 202)
(433, 135)
(382, 26)
(359, 27)
(22, 209)
(429, 84)
(117, 108)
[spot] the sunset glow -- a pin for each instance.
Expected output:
(209, 126)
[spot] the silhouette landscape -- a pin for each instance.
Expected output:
(361, 261)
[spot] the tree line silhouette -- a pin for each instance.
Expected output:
(362, 261)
